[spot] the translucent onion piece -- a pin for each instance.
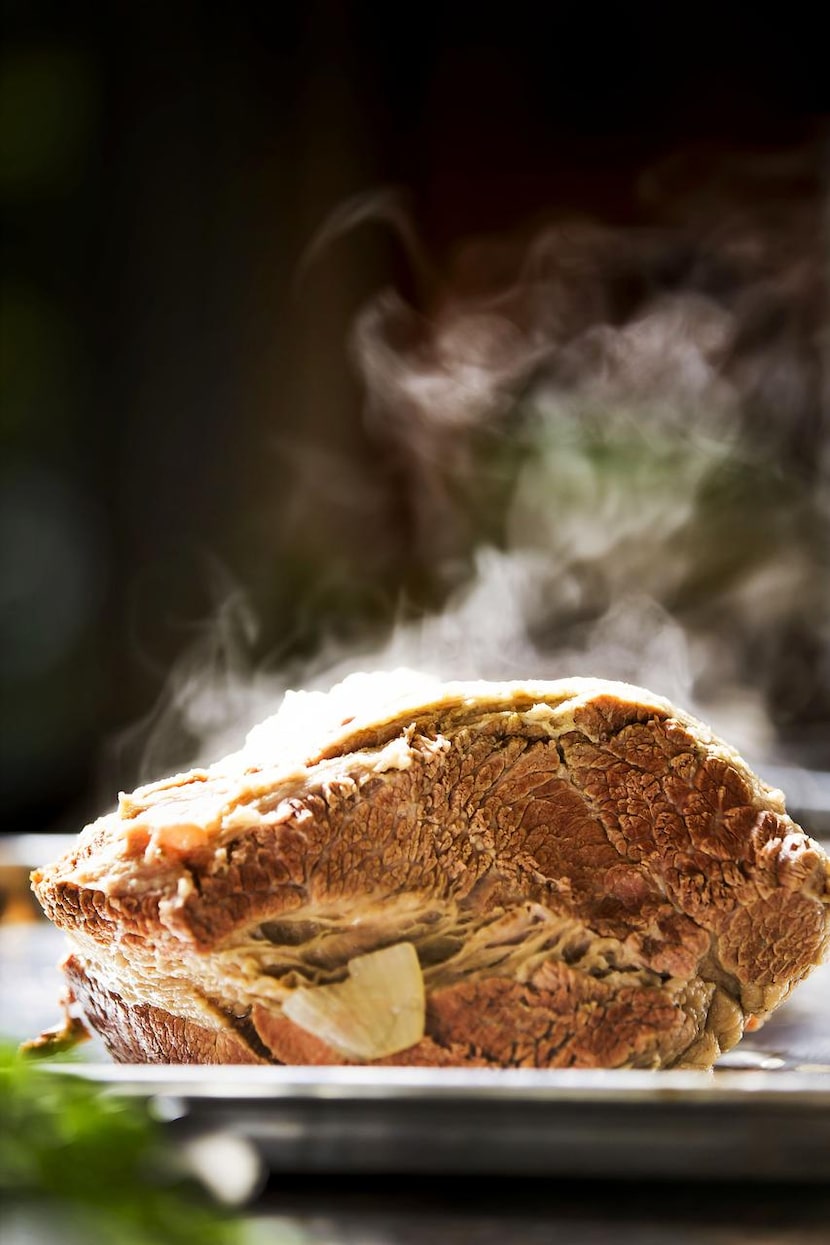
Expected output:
(379, 1010)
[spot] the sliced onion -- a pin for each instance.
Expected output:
(379, 1010)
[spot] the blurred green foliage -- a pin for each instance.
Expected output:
(79, 1164)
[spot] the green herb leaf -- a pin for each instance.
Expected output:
(78, 1161)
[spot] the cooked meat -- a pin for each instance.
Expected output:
(588, 877)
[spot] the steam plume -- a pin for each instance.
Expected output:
(612, 462)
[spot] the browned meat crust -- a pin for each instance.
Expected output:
(146, 1034)
(696, 903)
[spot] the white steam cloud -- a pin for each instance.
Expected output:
(614, 463)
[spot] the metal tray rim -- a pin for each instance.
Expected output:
(239, 1083)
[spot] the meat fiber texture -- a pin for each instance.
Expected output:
(589, 877)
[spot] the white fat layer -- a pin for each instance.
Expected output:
(147, 979)
(308, 722)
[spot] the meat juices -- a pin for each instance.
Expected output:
(589, 879)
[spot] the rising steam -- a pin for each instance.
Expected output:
(613, 462)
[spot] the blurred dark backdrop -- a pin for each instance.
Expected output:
(163, 170)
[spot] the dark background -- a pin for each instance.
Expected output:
(164, 170)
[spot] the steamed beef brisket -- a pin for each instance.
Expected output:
(587, 876)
